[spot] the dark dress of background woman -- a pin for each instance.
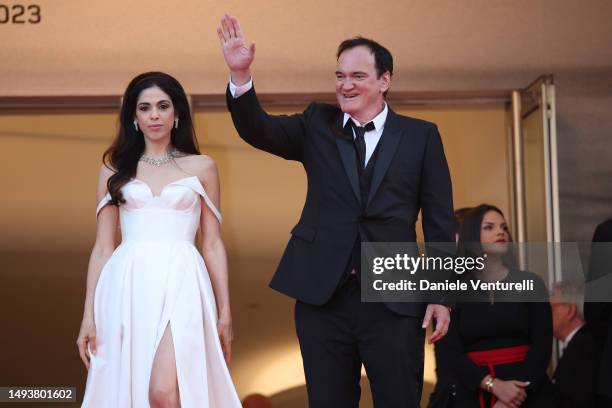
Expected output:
(491, 323)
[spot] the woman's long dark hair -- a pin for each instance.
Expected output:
(468, 243)
(124, 153)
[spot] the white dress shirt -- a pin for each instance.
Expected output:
(371, 137)
(238, 91)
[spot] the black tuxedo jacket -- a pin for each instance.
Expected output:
(598, 315)
(410, 174)
(576, 374)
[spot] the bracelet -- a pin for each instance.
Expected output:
(489, 383)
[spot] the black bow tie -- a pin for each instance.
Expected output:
(358, 129)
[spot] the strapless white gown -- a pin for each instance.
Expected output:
(156, 278)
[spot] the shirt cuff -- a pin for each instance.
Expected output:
(238, 91)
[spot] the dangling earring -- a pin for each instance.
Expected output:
(136, 125)
(176, 123)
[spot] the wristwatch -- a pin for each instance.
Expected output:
(489, 382)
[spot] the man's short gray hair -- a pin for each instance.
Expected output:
(571, 291)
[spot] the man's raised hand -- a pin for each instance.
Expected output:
(238, 56)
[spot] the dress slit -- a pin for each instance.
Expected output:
(168, 328)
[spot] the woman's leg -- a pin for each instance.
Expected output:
(163, 387)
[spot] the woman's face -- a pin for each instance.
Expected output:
(155, 113)
(494, 235)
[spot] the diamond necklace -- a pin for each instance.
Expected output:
(160, 161)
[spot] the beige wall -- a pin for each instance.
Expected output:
(95, 47)
(49, 174)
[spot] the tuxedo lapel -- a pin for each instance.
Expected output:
(346, 148)
(387, 146)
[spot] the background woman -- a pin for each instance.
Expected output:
(496, 351)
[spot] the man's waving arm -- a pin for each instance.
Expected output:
(280, 135)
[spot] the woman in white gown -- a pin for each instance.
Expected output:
(156, 327)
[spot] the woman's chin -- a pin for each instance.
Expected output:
(496, 249)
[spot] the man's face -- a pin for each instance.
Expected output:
(358, 88)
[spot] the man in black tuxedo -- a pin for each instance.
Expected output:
(369, 173)
(575, 378)
(599, 314)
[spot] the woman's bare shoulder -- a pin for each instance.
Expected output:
(105, 173)
(200, 165)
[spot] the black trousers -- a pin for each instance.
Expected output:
(336, 338)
